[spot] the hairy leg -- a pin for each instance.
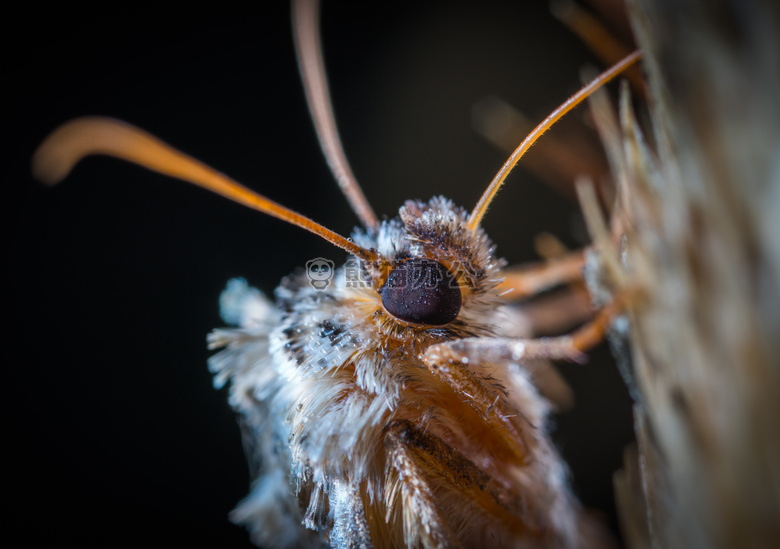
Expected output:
(568, 347)
(350, 528)
(528, 280)
(420, 466)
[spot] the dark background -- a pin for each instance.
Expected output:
(117, 435)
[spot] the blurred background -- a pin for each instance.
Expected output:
(118, 435)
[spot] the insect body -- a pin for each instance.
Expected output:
(382, 443)
(387, 405)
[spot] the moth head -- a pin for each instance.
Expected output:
(433, 267)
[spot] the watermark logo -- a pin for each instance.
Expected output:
(320, 272)
(414, 274)
(355, 276)
(422, 274)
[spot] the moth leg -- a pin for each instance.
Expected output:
(405, 472)
(350, 527)
(513, 429)
(450, 362)
(416, 462)
(553, 313)
(568, 347)
(528, 280)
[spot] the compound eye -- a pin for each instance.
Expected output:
(422, 291)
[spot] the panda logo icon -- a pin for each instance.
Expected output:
(320, 271)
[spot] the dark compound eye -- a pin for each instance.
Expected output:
(422, 291)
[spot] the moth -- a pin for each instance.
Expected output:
(346, 448)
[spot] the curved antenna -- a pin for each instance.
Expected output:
(59, 153)
(310, 62)
(487, 197)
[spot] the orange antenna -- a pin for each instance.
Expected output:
(309, 51)
(479, 210)
(74, 140)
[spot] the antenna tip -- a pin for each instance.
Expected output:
(48, 167)
(62, 149)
